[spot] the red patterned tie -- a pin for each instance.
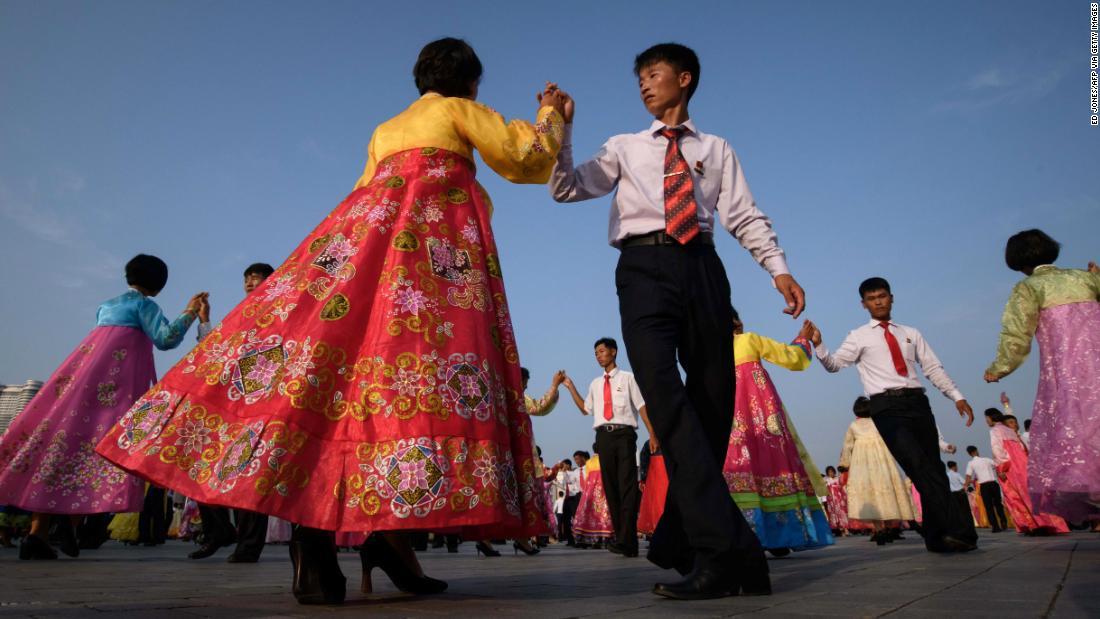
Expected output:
(681, 219)
(895, 350)
(607, 412)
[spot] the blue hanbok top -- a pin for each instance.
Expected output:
(133, 309)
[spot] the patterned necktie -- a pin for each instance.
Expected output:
(895, 350)
(681, 219)
(607, 412)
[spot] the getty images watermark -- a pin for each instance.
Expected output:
(1094, 61)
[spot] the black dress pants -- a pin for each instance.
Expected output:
(994, 508)
(569, 510)
(963, 501)
(908, 427)
(250, 532)
(152, 526)
(674, 302)
(619, 473)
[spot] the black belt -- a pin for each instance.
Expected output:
(660, 237)
(612, 427)
(900, 392)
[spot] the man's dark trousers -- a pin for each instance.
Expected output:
(569, 510)
(908, 428)
(994, 507)
(674, 302)
(250, 533)
(619, 473)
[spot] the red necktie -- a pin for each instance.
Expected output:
(895, 350)
(681, 219)
(607, 412)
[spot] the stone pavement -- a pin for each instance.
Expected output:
(1010, 576)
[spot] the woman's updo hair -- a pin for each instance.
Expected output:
(447, 66)
(147, 271)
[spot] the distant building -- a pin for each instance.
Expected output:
(13, 399)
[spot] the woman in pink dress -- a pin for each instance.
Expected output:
(48, 463)
(592, 524)
(836, 507)
(1011, 457)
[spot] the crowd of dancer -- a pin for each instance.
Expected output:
(368, 389)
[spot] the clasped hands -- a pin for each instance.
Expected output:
(199, 307)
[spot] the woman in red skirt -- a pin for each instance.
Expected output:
(372, 383)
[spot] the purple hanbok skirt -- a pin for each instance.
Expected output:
(1064, 475)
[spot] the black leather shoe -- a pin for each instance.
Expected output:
(69, 545)
(702, 584)
(206, 550)
(238, 557)
(35, 548)
(954, 544)
(378, 552)
(684, 563)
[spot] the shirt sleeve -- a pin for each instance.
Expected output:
(933, 369)
(517, 150)
(204, 330)
(849, 445)
(944, 445)
(795, 356)
(165, 335)
(635, 394)
(997, 445)
(846, 355)
(590, 400)
(738, 213)
(592, 179)
(1018, 325)
(543, 405)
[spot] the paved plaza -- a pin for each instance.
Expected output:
(1010, 576)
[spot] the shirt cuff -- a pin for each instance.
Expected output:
(567, 135)
(821, 352)
(776, 266)
(955, 395)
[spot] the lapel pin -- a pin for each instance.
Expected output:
(699, 168)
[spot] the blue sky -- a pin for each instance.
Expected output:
(907, 140)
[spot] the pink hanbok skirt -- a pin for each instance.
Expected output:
(48, 461)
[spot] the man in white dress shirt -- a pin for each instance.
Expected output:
(982, 472)
(615, 403)
(674, 187)
(887, 355)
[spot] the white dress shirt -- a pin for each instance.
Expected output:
(866, 347)
(573, 481)
(981, 469)
(632, 165)
(957, 482)
(626, 400)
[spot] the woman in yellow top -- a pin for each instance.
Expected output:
(372, 383)
(769, 473)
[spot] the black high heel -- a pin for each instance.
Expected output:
(529, 551)
(35, 548)
(484, 548)
(378, 552)
(317, 575)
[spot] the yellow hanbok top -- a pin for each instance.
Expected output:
(749, 347)
(518, 150)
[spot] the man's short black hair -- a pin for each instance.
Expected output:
(582, 453)
(147, 271)
(970, 449)
(680, 57)
(447, 66)
(1027, 424)
(862, 407)
(608, 342)
(872, 284)
(525, 374)
(1028, 249)
(262, 269)
(951, 464)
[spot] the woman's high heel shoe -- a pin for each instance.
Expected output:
(378, 552)
(485, 548)
(317, 575)
(528, 550)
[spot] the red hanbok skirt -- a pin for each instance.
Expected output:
(654, 495)
(371, 384)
